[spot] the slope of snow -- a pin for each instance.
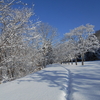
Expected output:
(50, 83)
(56, 82)
(84, 81)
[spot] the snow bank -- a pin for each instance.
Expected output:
(50, 83)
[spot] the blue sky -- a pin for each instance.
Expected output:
(67, 14)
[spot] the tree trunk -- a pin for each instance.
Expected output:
(0, 75)
(12, 72)
(82, 57)
(44, 63)
(76, 61)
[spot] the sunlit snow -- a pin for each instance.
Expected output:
(56, 82)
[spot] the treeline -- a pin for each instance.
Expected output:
(78, 43)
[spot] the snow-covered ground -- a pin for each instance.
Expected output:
(56, 82)
(50, 83)
(84, 81)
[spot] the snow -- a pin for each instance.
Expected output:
(56, 82)
(84, 81)
(50, 83)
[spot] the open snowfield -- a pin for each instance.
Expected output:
(84, 81)
(50, 83)
(56, 82)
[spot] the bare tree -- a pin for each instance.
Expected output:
(48, 35)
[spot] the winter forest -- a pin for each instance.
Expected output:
(27, 46)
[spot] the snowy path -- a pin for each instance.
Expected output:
(84, 81)
(50, 83)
